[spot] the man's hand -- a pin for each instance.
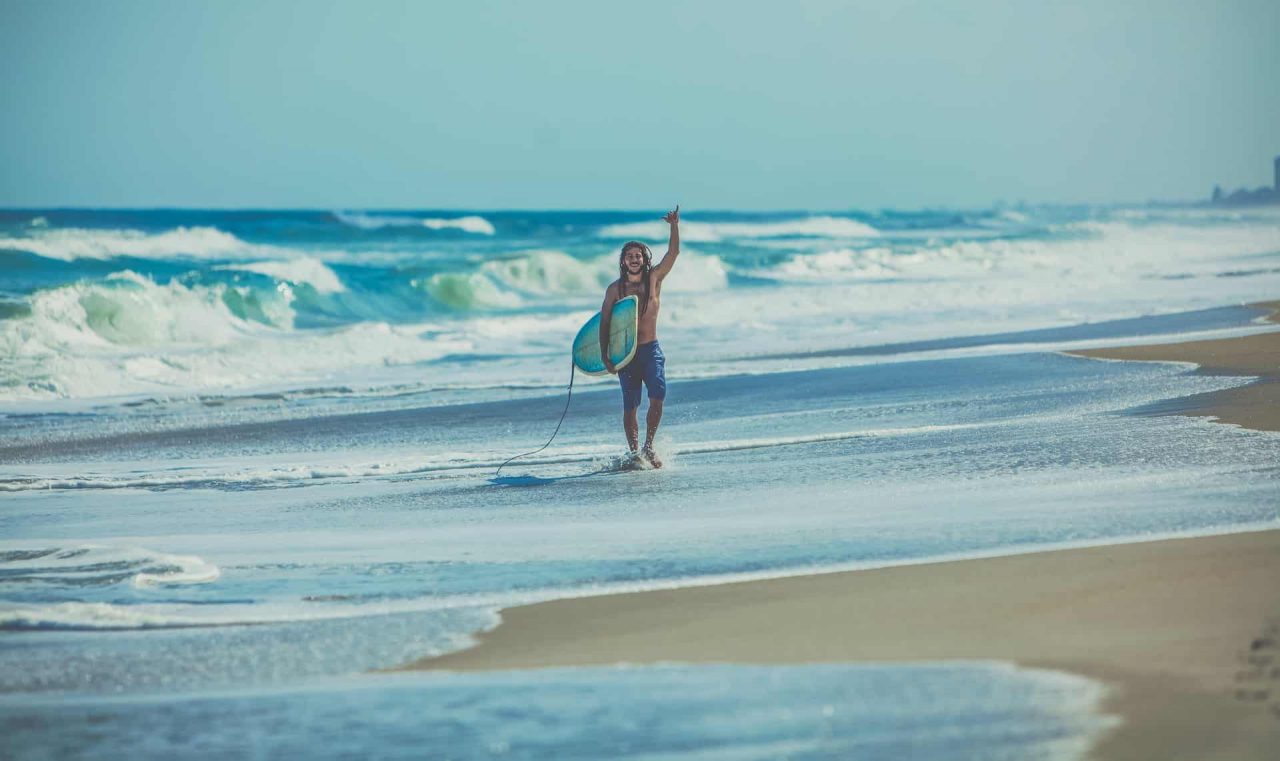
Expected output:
(609, 366)
(673, 217)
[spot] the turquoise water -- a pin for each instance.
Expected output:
(249, 456)
(169, 304)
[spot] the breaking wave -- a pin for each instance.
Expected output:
(1090, 249)
(132, 309)
(469, 224)
(224, 315)
(92, 565)
(541, 275)
(553, 273)
(299, 271)
(842, 264)
(130, 334)
(711, 232)
(70, 244)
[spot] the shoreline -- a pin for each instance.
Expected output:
(1185, 632)
(1148, 619)
(1255, 406)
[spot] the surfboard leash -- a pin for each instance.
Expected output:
(572, 371)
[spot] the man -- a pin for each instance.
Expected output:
(637, 277)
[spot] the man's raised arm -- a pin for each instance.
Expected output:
(606, 319)
(673, 246)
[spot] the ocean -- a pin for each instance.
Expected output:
(249, 457)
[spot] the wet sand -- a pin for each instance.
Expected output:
(1256, 405)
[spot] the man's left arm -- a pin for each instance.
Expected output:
(673, 246)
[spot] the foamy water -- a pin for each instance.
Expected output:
(159, 302)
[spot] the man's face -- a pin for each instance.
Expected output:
(633, 260)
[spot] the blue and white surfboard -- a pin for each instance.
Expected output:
(623, 335)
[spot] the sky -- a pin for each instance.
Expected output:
(639, 105)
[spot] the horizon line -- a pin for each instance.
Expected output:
(606, 210)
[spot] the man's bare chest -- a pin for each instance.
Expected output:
(654, 296)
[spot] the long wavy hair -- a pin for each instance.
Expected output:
(644, 274)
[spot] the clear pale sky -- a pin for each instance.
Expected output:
(484, 105)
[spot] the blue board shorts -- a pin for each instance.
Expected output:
(647, 366)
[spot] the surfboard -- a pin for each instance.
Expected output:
(623, 336)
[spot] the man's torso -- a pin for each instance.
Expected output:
(647, 330)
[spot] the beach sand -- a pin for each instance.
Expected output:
(1186, 632)
(1256, 405)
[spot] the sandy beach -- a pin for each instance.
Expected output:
(1256, 405)
(1184, 631)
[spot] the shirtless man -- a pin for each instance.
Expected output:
(638, 277)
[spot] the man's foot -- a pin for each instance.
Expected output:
(652, 457)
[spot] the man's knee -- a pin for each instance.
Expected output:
(630, 401)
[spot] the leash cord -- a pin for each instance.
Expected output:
(572, 370)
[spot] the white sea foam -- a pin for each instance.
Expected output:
(711, 232)
(83, 567)
(468, 291)
(132, 335)
(838, 264)
(546, 274)
(449, 463)
(69, 244)
(506, 283)
(97, 565)
(1103, 252)
(556, 273)
(93, 615)
(252, 361)
(112, 616)
(470, 224)
(697, 273)
(132, 310)
(1090, 272)
(300, 270)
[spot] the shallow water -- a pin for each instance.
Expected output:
(925, 711)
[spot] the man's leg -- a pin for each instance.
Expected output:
(653, 419)
(630, 382)
(655, 380)
(631, 426)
